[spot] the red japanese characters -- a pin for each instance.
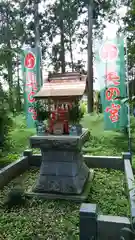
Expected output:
(31, 81)
(109, 53)
(112, 93)
(30, 61)
(112, 78)
(31, 84)
(114, 112)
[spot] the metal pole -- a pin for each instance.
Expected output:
(128, 95)
(90, 58)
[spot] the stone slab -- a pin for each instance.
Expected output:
(111, 228)
(13, 170)
(79, 198)
(67, 142)
(109, 162)
(131, 187)
(88, 221)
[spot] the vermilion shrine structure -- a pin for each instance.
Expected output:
(60, 92)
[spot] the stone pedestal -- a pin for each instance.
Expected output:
(62, 170)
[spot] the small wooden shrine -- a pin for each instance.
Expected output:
(59, 93)
(63, 172)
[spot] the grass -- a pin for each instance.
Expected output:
(18, 140)
(101, 142)
(106, 142)
(54, 220)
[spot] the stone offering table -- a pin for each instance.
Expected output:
(62, 170)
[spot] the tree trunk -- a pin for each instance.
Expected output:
(9, 64)
(71, 53)
(62, 40)
(90, 58)
(62, 55)
(18, 103)
(10, 80)
(10, 83)
(36, 22)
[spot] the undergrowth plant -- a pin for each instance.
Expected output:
(5, 120)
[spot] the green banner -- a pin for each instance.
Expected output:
(110, 67)
(31, 62)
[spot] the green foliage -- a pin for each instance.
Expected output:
(60, 19)
(41, 109)
(109, 193)
(83, 107)
(60, 219)
(19, 122)
(65, 19)
(76, 113)
(5, 120)
(15, 198)
(129, 29)
(11, 35)
(6, 53)
(101, 142)
(106, 142)
(17, 139)
(12, 30)
(5, 124)
(130, 101)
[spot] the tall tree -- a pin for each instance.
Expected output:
(55, 26)
(10, 33)
(129, 30)
(71, 26)
(30, 15)
(67, 24)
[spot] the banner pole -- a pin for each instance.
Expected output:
(128, 95)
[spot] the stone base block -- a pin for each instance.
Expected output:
(71, 197)
(64, 184)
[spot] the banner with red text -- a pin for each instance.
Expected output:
(31, 62)
(110, 67)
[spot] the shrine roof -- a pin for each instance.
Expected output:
(63, 85)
